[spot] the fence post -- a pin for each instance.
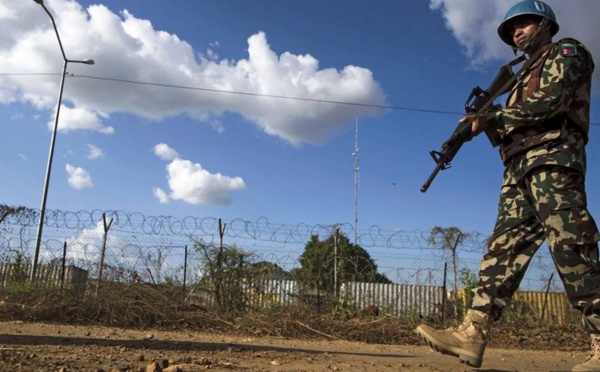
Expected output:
(455, 278)
(63, 269)
(318, 282)
(219, 268)
(335, 256)
(185, 257)
(106, 227)
(151, 276)
(4, 215)
(445, 294)
(546, 298)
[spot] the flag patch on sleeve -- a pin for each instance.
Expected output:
(568, 49)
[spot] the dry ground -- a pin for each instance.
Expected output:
(28, 346)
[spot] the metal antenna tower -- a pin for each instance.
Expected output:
(356, 168)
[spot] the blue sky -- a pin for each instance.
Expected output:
(208, 153)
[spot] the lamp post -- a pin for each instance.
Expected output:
(52, 142)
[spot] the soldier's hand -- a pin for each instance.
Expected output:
(478, 124)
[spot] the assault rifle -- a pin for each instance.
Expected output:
(478, 102)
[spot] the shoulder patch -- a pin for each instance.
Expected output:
(567, 48)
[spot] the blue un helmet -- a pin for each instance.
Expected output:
(527, 7)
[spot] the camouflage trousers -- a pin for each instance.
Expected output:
(548, 203)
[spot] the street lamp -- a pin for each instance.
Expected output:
(52, 142)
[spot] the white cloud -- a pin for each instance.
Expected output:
(300, 76)
(211, 52)
(474, 24)
(86, 246)
(165, 152)
(162, 196)
(217, 125)
(79, 178)
(17, 115)
(94, 152)
(192, 184)
(79, 118)
(126, 47)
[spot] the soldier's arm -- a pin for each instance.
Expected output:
(561, 76)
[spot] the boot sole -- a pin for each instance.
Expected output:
(466, 358)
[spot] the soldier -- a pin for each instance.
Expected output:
(543, 130)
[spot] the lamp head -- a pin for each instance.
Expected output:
(84, 61)
(41, 2)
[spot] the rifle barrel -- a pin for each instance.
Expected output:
(427, 183)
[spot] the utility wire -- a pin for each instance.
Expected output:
(265, 95)
(175, 86)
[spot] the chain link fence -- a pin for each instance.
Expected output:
(132, 247)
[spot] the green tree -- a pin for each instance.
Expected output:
(228, 272)
(270, 271)
(22, 218)
(469, 281)
(319, 260)
(22, 212)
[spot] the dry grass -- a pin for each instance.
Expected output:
(144, 307)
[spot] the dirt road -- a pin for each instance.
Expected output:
(50, 347)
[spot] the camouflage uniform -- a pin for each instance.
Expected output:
(544, 130)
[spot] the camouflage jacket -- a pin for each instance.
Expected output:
(546, 119)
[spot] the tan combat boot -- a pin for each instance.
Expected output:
(593, 362)
(467, 341)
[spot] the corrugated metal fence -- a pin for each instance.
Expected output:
(395, 299)
(554, 307)
(557, 305)
(403, 300)
(273, 292)
(72, 277)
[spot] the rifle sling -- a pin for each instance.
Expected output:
(491, 134)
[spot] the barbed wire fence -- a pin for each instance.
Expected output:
(132, 247)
